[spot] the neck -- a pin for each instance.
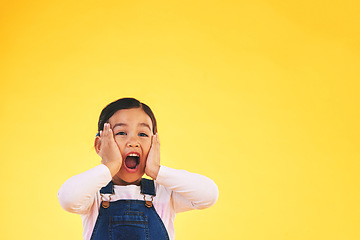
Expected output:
(118, 181)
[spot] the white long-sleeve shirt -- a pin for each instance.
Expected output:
(176, 191)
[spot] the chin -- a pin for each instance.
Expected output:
(125, 178)
(131, 180)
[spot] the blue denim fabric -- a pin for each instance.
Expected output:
(129, 220)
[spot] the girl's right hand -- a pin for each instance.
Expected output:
(109, 151)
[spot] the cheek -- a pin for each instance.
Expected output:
(146, 146)
(121, 144)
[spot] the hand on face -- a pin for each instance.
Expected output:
(153, 160)
(109, 150)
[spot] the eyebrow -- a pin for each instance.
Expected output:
(124, 124)
(145, 125)
(119, 125)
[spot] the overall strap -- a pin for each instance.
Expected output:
(108, 189)
(147, 187)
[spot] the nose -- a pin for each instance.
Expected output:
(132, 142)
(133, 145)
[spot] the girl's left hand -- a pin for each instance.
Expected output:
(153, 160)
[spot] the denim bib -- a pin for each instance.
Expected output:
(129, 219)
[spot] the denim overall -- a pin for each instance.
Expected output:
(129, 219)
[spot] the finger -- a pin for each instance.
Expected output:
(153, 140)
(106, 129)
(157, 138)
(110, 132)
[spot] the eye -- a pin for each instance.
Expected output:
(121, 133)
(143, 135)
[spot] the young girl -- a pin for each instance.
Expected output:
(114, 201)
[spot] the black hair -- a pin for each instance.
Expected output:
(124, 103)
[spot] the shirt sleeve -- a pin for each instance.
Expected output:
(77, 194)
(189, 190)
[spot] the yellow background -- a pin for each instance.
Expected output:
(261, 96)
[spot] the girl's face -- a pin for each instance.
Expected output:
(132, 132)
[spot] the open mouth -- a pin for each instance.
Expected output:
(132, 160)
